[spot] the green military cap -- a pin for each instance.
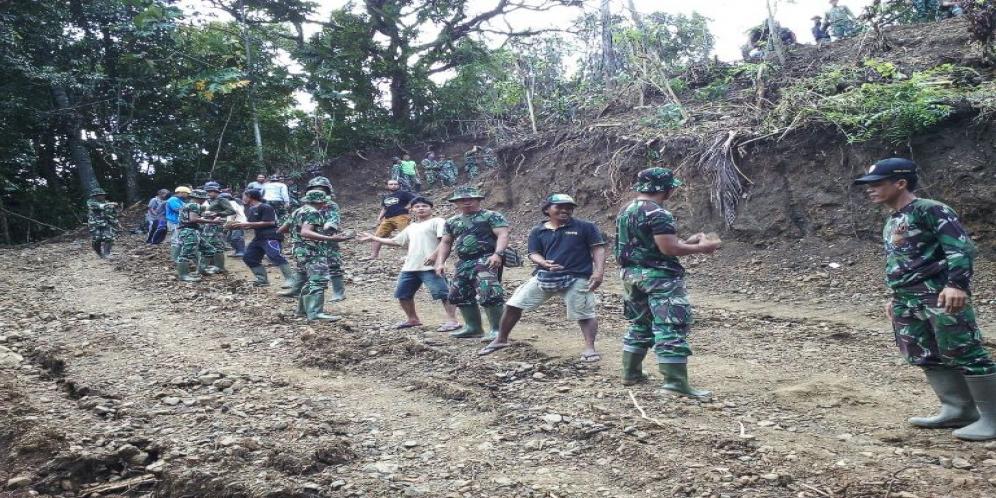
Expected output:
(466, 193)
(315, 197)
(97, 191)
(320, 181)
(656, 180)
(199, 194)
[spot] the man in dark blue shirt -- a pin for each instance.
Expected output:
(569, 255)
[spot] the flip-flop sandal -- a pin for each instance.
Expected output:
(406, 325)
(591, 357)
(491, 348)
(449, 328)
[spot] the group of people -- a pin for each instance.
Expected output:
(929, 263)
(839, 23)
(439, 169)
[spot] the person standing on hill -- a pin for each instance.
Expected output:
(155, 215)
(422, 238)
(217, 208)
(314, 234)
(276, 194)
(928, 267)
(333, 219)
(258, 184)
(431, 169)
(569, 255)
(192, 246)
(173, 207)
(448, 171)
(102, 221)
(262, 220)
(470, 161)
(820, 33)
(409, 174)
(393, 216)
(235, 236)
(395, 169)
(479, 237)
(841, 21)
(654, 297)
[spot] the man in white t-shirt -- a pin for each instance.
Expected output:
(422, 238)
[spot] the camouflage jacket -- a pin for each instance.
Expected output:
(186, 210)
(429, 165)
(101, 214)
(221, 207)
(473, 234)
(636, 226)
(332, 222)
(317, 219)
(927, 248)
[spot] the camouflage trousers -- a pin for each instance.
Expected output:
(475, 282)
(102, 233)
(408, 182)
(659, 314)
(316, 269)
(193, 245)
(928, 336)
(472, 170)
(335, 264)
(448, 177)
(214, 235)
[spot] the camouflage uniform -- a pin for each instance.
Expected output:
(841, 22)
(215, 234)
(490, 159)
(313, 256)
(470, 163)
(654, 297)
(192, 245)
(101, 220)
(474, 242)
(332, 226)
(431, 169)
(927, 249)
(927, 10)
(448, 172)
(408, 176)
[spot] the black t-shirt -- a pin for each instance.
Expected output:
(396, 203)
(568, 246)
(263, 212)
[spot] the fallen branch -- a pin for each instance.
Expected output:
(643, 413)
(42, 223)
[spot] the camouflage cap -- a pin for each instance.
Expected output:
(466, 193)
(656, 179)
(212, 186)
(199, 194)
(315, 197)
(97, 191)
(320, 181)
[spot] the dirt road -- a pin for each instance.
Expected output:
(115, 379)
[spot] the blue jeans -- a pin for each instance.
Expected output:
(258, 248)
(410, 281)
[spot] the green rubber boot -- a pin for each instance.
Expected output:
(314, 306)
(633, 368)
(676, 380)
(494, 318)
(983, 389)
(174, 252)
(219, 262)
(301, 308)
(291, 278)
(95, 245)
(297, 283)
(338, 289)
(471, 323)
(957, 405)
(105, 248)
(183, 273)
(262, 279)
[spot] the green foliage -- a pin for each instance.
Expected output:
(668, 116)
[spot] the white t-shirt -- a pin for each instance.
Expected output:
(422, 238)
(276, 191)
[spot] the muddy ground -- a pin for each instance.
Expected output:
(117, 380)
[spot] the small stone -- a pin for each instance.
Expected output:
(227, 440)
(171, 401)
(209, 379)
(770, 477)
(765, 423)
(410, 443)
(156, 467)
(503, 482)
(961, 463)
(553, 418)
(138, 458)
(18, 482)
(338, 484)
(989, 462)
(539, 375)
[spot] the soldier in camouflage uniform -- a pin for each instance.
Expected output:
(470, 159)
(332, 220)
(490, 158)
(841, 21)
(654, 298)
(448, 172)
(218, 208)
(431, 168)
(193, 246)
(314, 232)
(479, 237)
(928, 267)
(102, 221)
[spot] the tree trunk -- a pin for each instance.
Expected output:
(608, 52)
(252, 86)
(4, 224)
(637, 18)
(130, 175)
(45, 143)
(77, 150)
(774, 36)
(400, 94)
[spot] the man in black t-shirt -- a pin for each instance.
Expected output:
(393, 215)
(262, 220)
(569, 255)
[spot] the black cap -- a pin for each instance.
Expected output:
(887, 168)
